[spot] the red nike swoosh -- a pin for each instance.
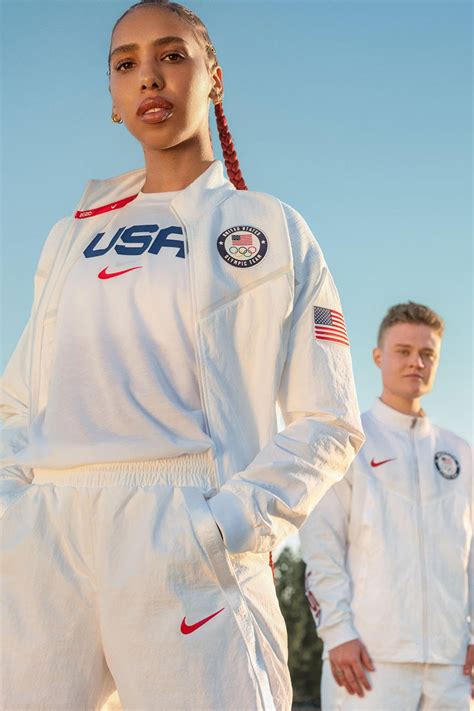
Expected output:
(187, 629)
(103, 274)
(373, 463)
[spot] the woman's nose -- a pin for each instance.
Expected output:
(150, 77)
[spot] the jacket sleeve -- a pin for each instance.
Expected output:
(324, 538)
(15, 382)
(258, 507)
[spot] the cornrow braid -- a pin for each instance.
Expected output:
(228, 149)
(202, 36)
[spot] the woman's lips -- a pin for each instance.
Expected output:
(155, 109)
(156, 115)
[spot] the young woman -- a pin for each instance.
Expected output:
(144, 483)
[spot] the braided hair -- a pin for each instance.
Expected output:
(202, 36)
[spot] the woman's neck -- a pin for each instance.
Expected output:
(175, 168)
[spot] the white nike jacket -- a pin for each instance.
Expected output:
(255, 345)
(389, 549)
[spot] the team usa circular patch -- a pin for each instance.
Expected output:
(242, 246)
(447, 465)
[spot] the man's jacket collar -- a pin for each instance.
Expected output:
(398, 420)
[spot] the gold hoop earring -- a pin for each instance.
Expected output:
(116, 118)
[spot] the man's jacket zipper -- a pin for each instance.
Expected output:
(421, 541)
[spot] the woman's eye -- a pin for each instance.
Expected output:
(123, 66)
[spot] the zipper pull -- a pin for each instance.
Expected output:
(413, 423)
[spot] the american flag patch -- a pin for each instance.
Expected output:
(244, 240)
(329, 325)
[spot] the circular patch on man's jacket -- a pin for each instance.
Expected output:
(447, 465)
(242, 246)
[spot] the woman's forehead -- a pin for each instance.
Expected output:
(146, 24)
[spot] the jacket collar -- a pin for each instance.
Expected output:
(203, 194)
(398, 420)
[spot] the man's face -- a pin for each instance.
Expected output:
(408, 358)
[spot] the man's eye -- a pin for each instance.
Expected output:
(124, 66)
(173, 56)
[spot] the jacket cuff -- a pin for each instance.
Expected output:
(229, 513)
(337, 634)
(16, 473)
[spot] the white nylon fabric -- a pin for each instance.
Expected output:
(130, 555)
(402, 687)
(255, 345)
(390, 546)
(134, 351)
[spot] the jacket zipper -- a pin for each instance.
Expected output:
(199, 364)
(421, 542)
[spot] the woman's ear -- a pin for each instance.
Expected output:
(217, 91)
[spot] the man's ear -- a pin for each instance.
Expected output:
(217, 91)
(377, 356)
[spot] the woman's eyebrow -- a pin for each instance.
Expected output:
(157, 43)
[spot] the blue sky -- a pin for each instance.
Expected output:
(356, 113)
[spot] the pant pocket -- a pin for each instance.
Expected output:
(208, 535)
(12, 490)
(220, 560)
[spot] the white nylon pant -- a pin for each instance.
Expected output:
(108, 575)
(402, 687)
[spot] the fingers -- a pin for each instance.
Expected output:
(347, 665)
(366, 659)
(347, 686)
(360, 676)
(352, 678)
(338, 675)
(469, 663)
(353, 684)
(341, 680)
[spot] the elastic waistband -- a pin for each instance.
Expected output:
(186, 470)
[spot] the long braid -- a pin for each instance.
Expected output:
(228, 149)
(202, 36)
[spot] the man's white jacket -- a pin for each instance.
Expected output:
(389, 549)
(255, 345)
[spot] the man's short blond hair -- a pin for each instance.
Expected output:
(410, 313)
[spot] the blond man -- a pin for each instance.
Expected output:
(389, 548)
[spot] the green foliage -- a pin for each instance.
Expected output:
(304, 646)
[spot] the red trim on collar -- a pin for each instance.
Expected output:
(81, 214)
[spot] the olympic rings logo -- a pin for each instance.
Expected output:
(242, 246)
(244, 251)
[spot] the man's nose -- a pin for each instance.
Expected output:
(417, 361)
